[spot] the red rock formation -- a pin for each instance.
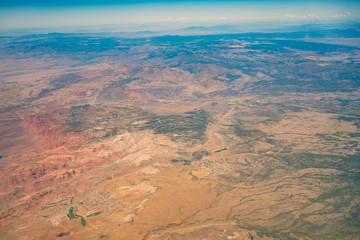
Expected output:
(49, 134)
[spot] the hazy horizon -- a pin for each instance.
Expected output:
(56, 14)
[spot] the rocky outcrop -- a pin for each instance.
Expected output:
(49, 134)
(51, 170)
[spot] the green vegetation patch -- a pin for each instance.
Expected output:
(199, 154)
(354, 119)
(81, 106)
(242, 132)
(94, 214)
(220, 150)
(308, 160)
(63, 202)
(72, 215)
(190, 126)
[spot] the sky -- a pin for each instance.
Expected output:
(69, 13)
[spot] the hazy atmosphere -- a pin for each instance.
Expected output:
(34, 14)
(179, 120)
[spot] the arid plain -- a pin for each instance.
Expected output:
(199, 137)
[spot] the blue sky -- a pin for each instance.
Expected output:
(69, 13)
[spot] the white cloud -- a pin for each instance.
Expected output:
(181, 18)
(339, 15)
(312, 16)
(216, 19)
(309, 16)
(293, 16)
(176, 18)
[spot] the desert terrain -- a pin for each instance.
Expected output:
(237, 136)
